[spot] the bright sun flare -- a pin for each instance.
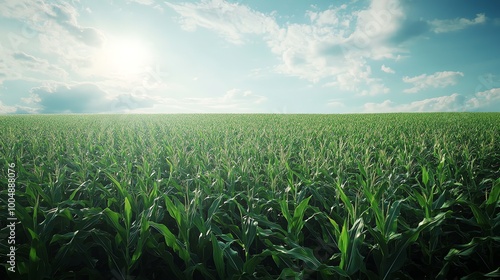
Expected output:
(125, 57)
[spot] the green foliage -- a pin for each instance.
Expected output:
(387, 196)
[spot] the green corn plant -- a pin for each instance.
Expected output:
(483, 246)
(425, 194)
(295, 222)
(398, 257)
(74, 243)
(36, 264)
(248, 233)
(350, 243)
(181, 243)
(131, 234)
(351, 212)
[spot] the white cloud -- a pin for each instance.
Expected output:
(387, 69)
(41, 17)
(29, 10)
(358, 79)
(21, 65)
(454, 102)
(349, 80)
(298, 45)
(151, 3)
(375, 89)
(32, 64)
(449, 25)
(488, 98)
(231, 21)
(232, 99)
(335, 103)
(482, 101)
(17, 109)
(386, 106)
(83, 98)
(336, 45)
(303, 50)
(91, 98)
(143, 2)
(326, 17)
(33, 99)
(436, 80)
(62, 98)
(329, 49)
(375, 27)
(4, 109)
(65, 15)
(52, 28)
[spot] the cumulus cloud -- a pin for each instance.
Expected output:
(29, 63)
(66, 16)
(58, 98)
(375, 89)
(231, 21)
(80, 98)
(335, 43)
(25, 110)
(327, 17)
(360, 74)
(132, 102)
(45, 17)
(387, 69)
(83, 98)
(234, 98)
(488, 100)
(20, 9)
(21, 65)
(17, 109)
(454, 102)
(335, 103)
(436, 80)
(450, 25)
(54, 28)
(375, 28)
(339, 48)
(305, 52)
(4, 109)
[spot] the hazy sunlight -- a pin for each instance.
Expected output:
(123, 57)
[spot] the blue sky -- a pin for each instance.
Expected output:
(281, 56)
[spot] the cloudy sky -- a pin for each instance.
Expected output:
(249, 56)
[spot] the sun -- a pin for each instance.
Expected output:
(129, 55)
(124, 57)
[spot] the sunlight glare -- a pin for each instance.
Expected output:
(125, 57)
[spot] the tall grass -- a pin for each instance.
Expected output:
(254, 196)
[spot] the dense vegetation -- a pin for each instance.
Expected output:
(379, 196)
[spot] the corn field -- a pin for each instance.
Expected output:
(382, 196)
